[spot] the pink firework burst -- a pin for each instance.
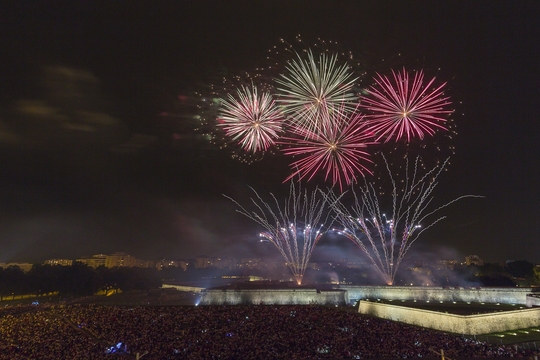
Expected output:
(403, 109)
(251, 119)
(337, 147)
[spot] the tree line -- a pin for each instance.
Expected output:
(75, 280)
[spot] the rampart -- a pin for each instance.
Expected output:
(477, 295)
(273, 297)
(193, 289)
(533, 300)
(471, 325)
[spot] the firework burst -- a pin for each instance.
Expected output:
(311, 85)
(251, 119)
(386, 240)
(337, 148)
(294, 228)
(403, 109)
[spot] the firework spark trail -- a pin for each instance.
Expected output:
(251, 119)
(375, 234)
(283, 224)
(313, 84)
(402, 109)
(337, 148)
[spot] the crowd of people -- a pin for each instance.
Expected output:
(223, 332)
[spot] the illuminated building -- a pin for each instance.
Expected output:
(474, 260)
(61, 262)
(121, 259)
(23, 266)
(142, 263)
(446, 264)
(164, 263)
(249, 263)
(202, 262)
(93, 261)
(118, 259)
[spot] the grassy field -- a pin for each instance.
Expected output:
(457, 308)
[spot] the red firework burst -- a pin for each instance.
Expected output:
(336, 147)
(402, 109)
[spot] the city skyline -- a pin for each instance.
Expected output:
(202, 261)
(98, 135)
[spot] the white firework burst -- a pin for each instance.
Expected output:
(251, 119)
(313, 83)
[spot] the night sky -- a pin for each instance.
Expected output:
(98, 145)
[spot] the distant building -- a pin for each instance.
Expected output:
(164, 263)
(226, 262)
(357, 264)
(23, 266)
(143, 263)
(446, 264)
(421, 270)
(61, 262)
(118, 259)
(249, 263)
(93, 261)
(326, 264)
(202, 262)
(474, 260)
(121, 259)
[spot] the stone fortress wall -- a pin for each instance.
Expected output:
(273, 297)
(533, 300)
(494, 295)
(471, 324)
(351, 294)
